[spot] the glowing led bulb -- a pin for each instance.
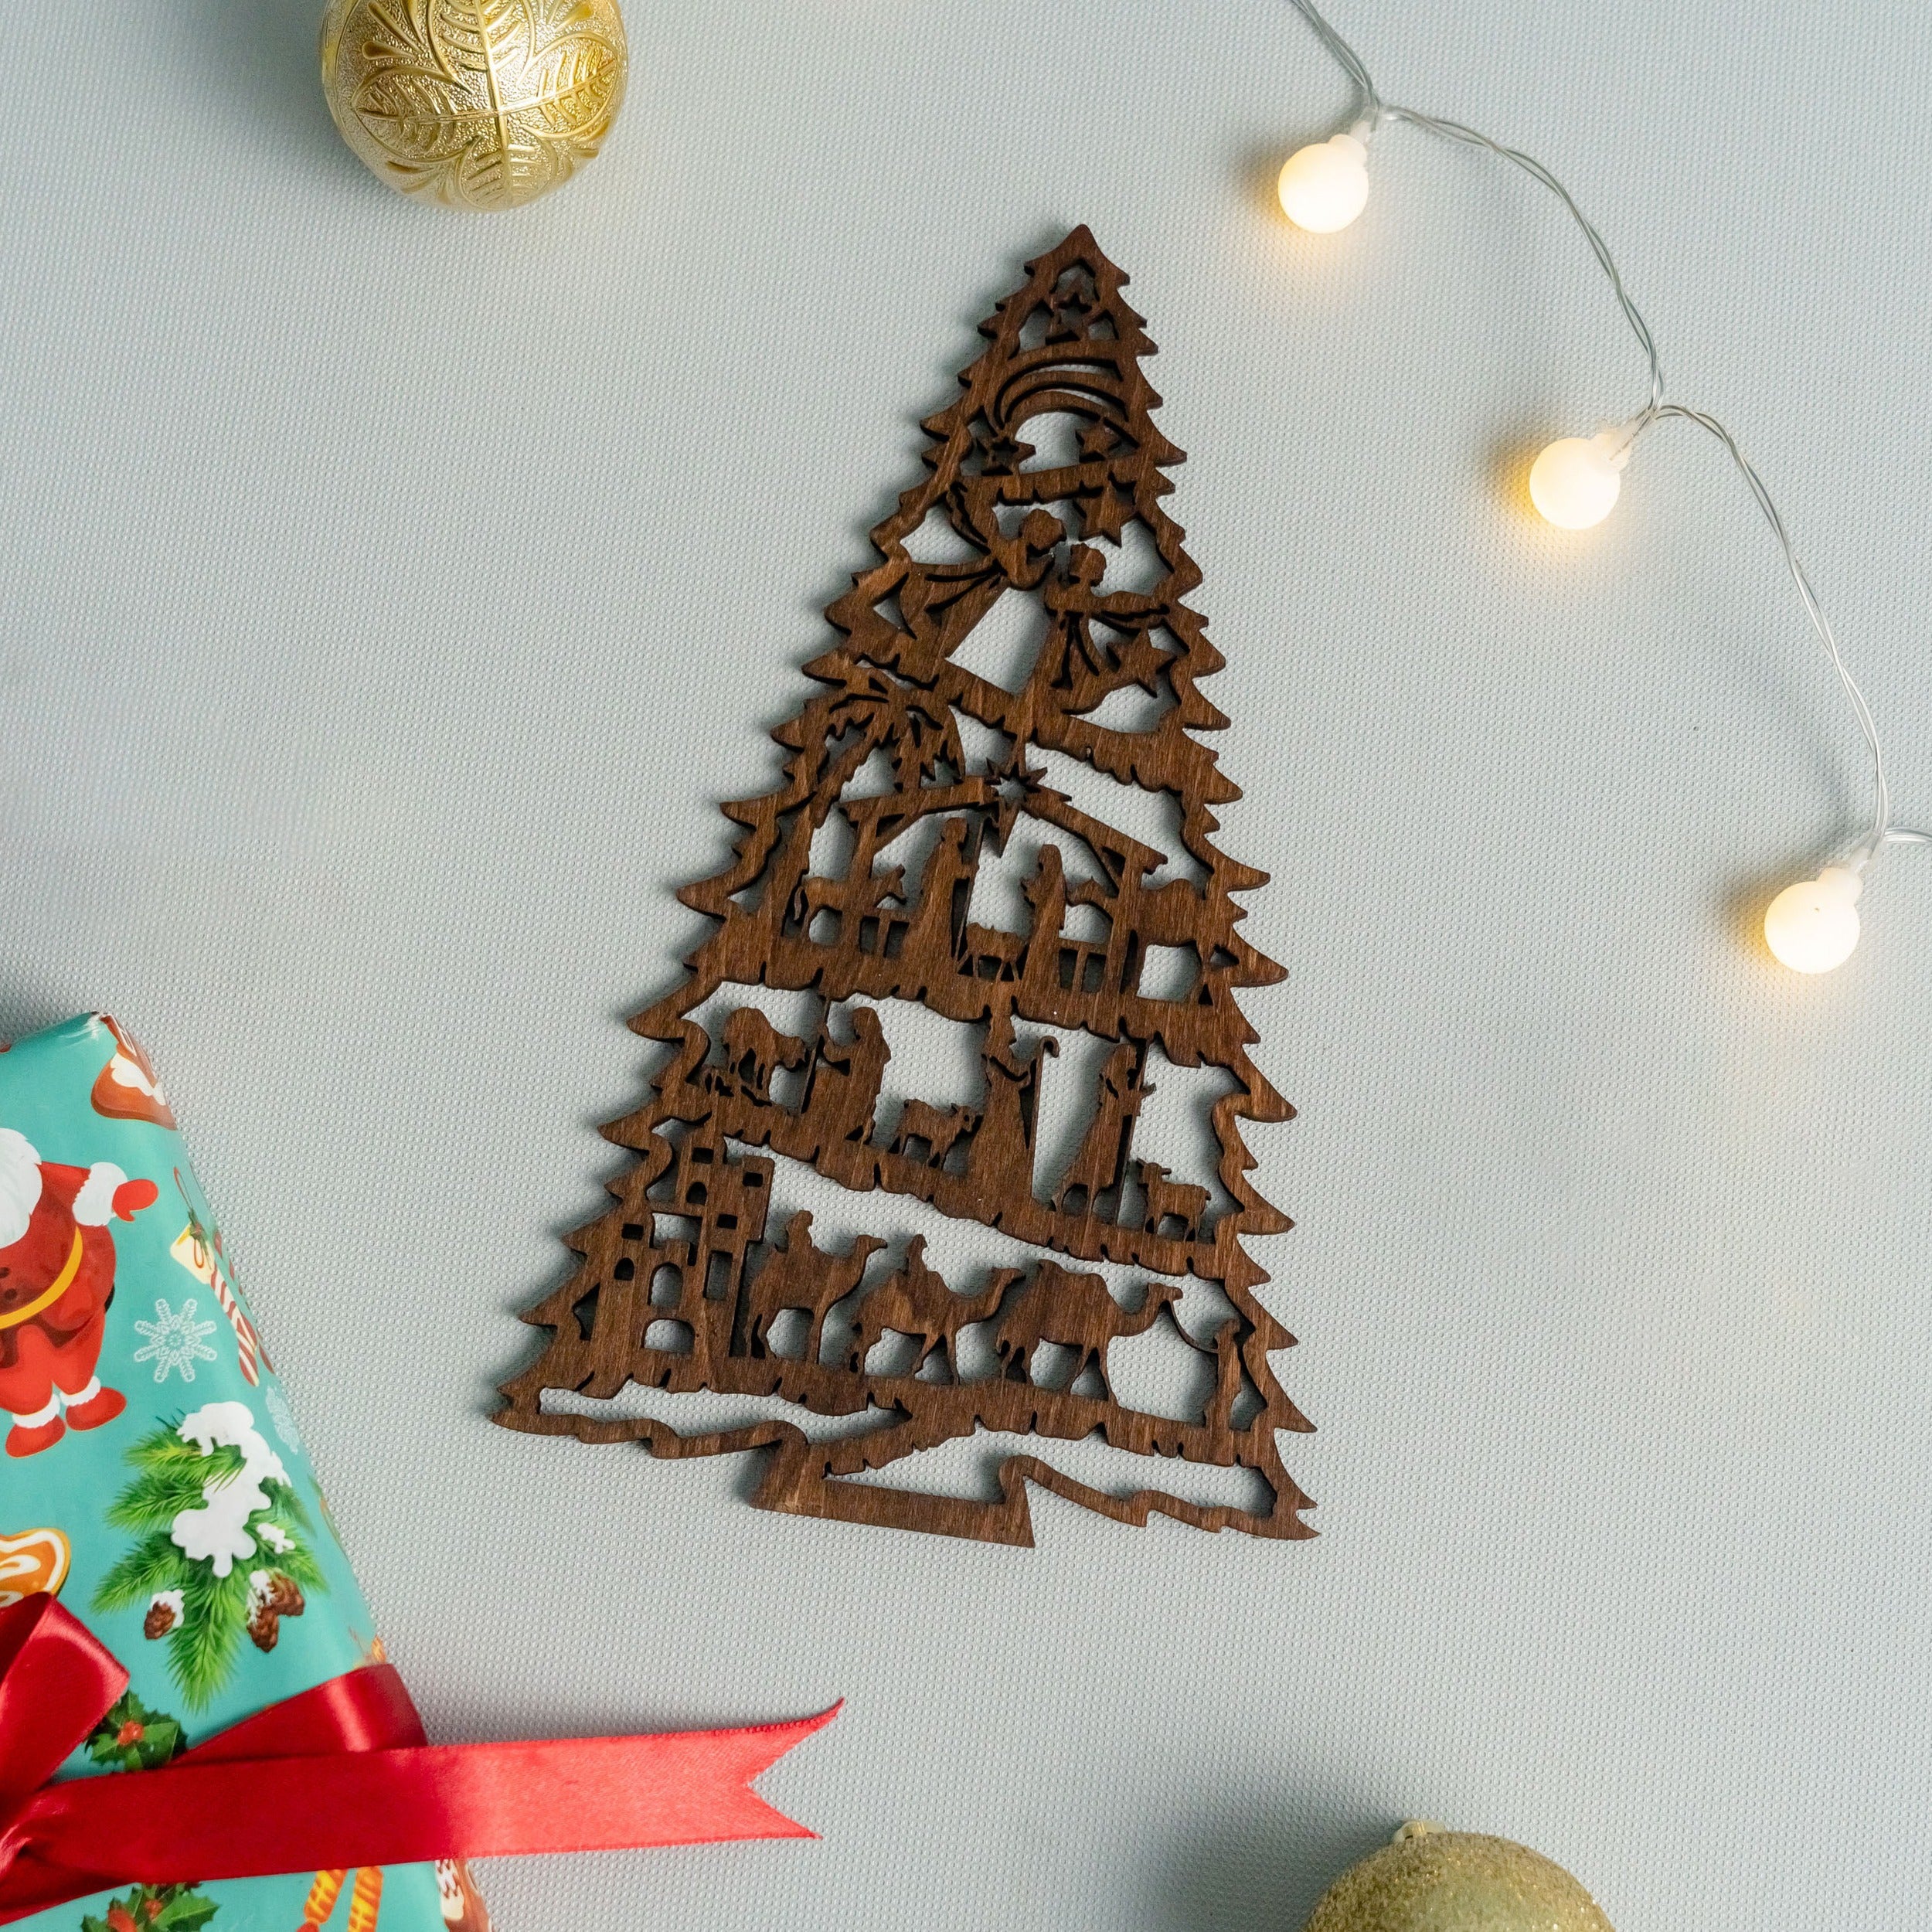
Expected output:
(1813, 927)
(1575, 482)
(1325, 186)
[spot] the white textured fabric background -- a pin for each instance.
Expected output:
(388, 599)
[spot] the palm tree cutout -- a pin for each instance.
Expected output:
(224, 1545)
(948, 834)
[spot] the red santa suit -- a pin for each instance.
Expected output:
(56, 1278)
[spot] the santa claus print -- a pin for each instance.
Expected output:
(56, 1278)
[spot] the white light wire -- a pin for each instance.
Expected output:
(1375, 112)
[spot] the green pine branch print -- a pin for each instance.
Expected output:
(154, 1565)
(172, 1474)
(224, 1549)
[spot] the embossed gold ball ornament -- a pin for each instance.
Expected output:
(478, 104)
(1430, 1880)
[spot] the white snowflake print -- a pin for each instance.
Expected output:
(175, 1340)
(283, 1418)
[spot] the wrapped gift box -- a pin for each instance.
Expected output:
(155, 1478)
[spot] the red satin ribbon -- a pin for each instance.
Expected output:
(338, 1776)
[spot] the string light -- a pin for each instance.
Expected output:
(1575, 482)
(1813, 927)
(1325, 185)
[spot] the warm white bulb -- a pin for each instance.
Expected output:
(1574, 483)
(1324, 187)
(1813, 927)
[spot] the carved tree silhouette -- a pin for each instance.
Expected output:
(680, 1287)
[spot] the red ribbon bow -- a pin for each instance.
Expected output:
(338, 1776)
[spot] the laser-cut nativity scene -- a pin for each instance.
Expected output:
(943, 858)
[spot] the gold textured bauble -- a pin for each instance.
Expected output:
(1430, 1880)
(476, 103)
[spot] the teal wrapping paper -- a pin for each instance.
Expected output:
(154, 1478)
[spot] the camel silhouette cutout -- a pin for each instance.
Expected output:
(802, 1275)
(1072, 1310)
(918, 1302)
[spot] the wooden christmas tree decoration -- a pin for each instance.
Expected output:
(693, 1281)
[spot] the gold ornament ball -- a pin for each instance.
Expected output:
(1430, 1880)
(478, 104)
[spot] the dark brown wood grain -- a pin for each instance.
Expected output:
(692, 1255)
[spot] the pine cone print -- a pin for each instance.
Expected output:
(264, 1628)
(275, 1596)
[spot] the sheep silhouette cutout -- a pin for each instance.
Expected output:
(1185, 1202)
(936, 1130)
(975, 871)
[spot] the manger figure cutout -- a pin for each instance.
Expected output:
(1042, 474)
